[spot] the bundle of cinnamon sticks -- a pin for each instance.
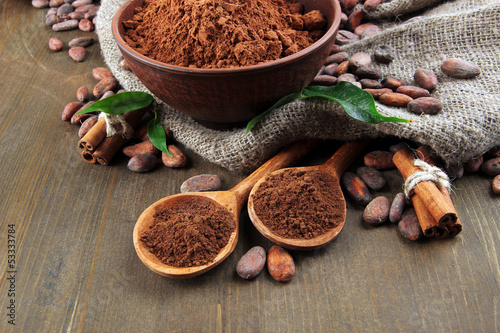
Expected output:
(435, 211)
(96, 147)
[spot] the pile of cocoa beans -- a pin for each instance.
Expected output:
(64, 15)
(144, 156)
(369, 178)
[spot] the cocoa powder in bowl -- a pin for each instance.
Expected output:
(221, 33)
(188, 234)
(298, 204)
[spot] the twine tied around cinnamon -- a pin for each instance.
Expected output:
(112, 120)
(428, 173)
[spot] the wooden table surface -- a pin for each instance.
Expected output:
(68, 226)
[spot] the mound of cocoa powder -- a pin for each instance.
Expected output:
(190, 233)
(221, 33)
(298, 204)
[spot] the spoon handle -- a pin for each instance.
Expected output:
(286, 157)
(344, 157)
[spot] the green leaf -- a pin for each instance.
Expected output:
(357, 103)
(156, 134)
(120, 103)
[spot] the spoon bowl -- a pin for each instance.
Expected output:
(232, 201)
(335, 167)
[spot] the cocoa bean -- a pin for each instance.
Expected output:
(408, 225)
(348, 4)
(397, 147)
(393, 83)
(143, 163)
(360, 29)
(70, 109)
(87, 125)
(83, 94)
(76, 15)
(345, 37)
(40, 3)
(370, 31)
(77, 53)
(395, 99)
(335, 49)
(85, 25)
(356, 189)
(474, 164)
(373, 178)
(55, 44)
(124, 65)
(337, 58)
(359, 59)
(397, 207)
(201, 183)
(107, 94)
(495, 185)
(178, 160)
(377, 211)
(56, 3)
(371, 4)
(460, 69)
(425, 105)
(50, 20)
(368, 73)
(329, 69)
(280, 264)
(100, 73)
(384, 54)
(141, 148)
(65, 25)
(91, 13)
(425, 78)
(455, 171)
(343, 20)
(342, 68)
(413, 91)
(79, 3)
(354, 19)
(376, 93)
(84, 8)
(64, 9)
(491, 167)
(80, 118)
(106, 84)
(379, 159)
(251, 263)
(324, 80)
(370, 84)
(51, 11)
(347, 77)
(357, 84)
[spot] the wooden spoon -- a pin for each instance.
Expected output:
(335, 166)
(232, 200)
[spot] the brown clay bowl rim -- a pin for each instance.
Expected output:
(226, 71)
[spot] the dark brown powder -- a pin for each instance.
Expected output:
(221, 33)
(298, 204)
(190, 233)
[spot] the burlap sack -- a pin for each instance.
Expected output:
(467, 126)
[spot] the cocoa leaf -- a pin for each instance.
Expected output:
(120, 103)
(156, 134)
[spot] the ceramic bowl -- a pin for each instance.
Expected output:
(225, 98)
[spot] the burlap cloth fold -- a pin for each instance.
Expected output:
(467, 126)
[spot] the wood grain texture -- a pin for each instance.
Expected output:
(77, 271)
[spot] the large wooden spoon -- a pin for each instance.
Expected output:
(335, 166)
(231, 200)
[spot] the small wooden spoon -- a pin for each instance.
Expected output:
(232, 200)
(335, 166)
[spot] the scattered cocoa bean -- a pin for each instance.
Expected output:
(124, 65)
(408, 225)
(64, 9)
(426, 79)
(368, 73)
(40, 3)
(347, 77)
(83, 94)
(359, 59)
(84, 7)
(335, 49)
(145, 147)
(324, 80)
(393, 83)
(377, 211)
(397, 208)
(178, 160)
(345, 37)
(65, 25)
(370, 84)
(79, 3)
(80, 118)
(107, 94)
(425, 105)
(143, 163)
(50, 20)
(251, 263)
(87, 125)
(342, 68)
(201, 183)
(376, 93)
(348, 4)
(77, 53)
(70, 109)
(356, 189)
(56, 3)
(329, 69)
(100, 73)
(85, 25)
(76, 15)
(413, 91)
(384, 54)
(337, 58)
(280, 264)
(91, 14)
(460, 69)
(371, 4)
(491, 167)
(397, 147)
(373, 178)
(455, 171)
(379, 159)
(370, 31)
(474, 164)
(354, 19)
(106, 84)
(495, 185)
(55, 44)
(395, 99)
(360, 29)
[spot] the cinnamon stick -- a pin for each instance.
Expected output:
(87, 156)
(431, 196)
(94, 136)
